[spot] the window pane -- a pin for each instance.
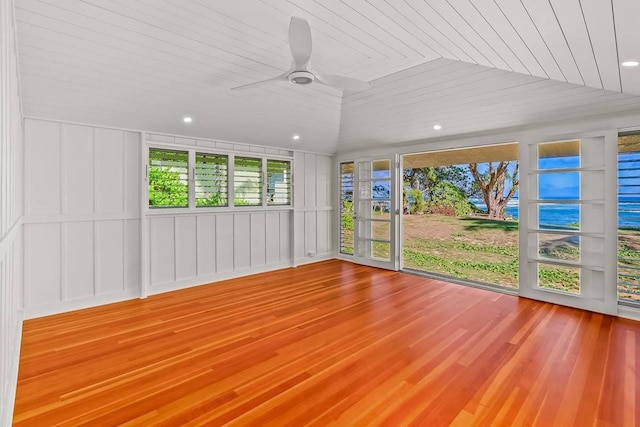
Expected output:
(346, 208)
(247, 181)
(211, 180)
(278, 182)
(168, 178)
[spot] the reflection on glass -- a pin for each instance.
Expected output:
(564, 247)
(379, 230)
(560, 216)
(381, 189)
(381, 169)
(559, 186)
(559, 155)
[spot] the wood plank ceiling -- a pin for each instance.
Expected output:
(469, 65)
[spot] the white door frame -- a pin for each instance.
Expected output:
(363, 216)
(597, 266)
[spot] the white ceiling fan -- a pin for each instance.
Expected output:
(300, 73)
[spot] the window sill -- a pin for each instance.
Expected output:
(209, 211)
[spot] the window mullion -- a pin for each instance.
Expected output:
(192, 179)
(264, 182)
(231, 174)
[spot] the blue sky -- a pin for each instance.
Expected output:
(566, 185)
(563, 185)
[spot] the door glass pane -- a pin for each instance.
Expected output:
(381, 189)
(564, 247)
(364, 170)
(364, 190)
(558, 216)
(559, 278)
(379, 251)
(381, 169)
(559, 155)
(629, 218)
(559, 186)
(379, 230)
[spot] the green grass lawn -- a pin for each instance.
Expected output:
(486, 251)
(479, 249)
(466, 248)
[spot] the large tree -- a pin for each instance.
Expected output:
(439, 189)
(492, 184)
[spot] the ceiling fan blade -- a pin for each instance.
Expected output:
(342, 82)
(281, 77)
(300, 42)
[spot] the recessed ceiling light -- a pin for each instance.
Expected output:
(437, 127)
(187, 119)
(630, 63)
(296, 137)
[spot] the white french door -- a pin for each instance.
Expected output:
(376, 212)
(568, 220)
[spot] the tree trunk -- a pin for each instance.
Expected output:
(493, 185)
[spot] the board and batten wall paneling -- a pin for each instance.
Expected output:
(192, 249)
(313, 201)
(195, 247)
(42, 168)
(162, 250)
(224, 243)
(242, 241)
(79, 262)
(11, 201)
(206, 250)
(186, 247)
(82, 216)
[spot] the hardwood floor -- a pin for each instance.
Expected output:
(330, 344)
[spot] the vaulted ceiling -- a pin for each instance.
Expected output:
(468, 65)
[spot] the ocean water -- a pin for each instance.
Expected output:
(561, 215)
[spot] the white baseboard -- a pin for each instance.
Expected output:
(81, 303)
(205, 280)
(6, 410)
(627, 312)
(316, 258)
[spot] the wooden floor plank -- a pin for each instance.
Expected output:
(330, 343)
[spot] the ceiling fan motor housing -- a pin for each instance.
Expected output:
(301, 78)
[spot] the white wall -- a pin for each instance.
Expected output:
(10, 213)
(82, 216)
(190, 247)
(313, 197)
(89, 239)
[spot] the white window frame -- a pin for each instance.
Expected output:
(231, 154)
